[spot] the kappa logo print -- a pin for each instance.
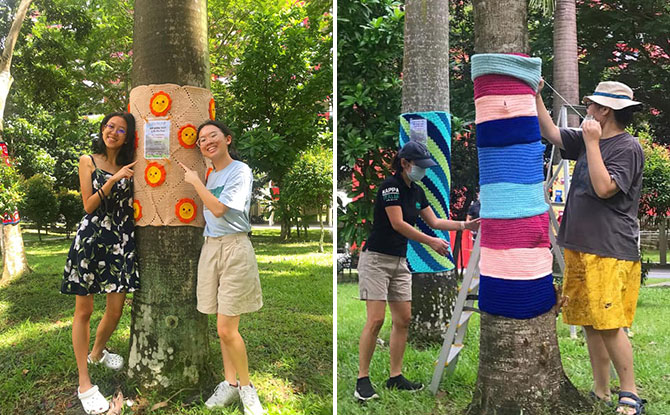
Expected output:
(390, 194)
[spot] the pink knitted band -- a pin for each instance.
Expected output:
(497, 107)
(500, 85)
(532, 232)
(516, 264)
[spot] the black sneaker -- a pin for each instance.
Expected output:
(364, 390)
(401, 383)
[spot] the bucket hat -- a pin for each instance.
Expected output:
(615, 95)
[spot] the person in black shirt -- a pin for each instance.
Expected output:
(473, 213)
(383, 274)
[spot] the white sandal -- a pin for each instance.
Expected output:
(92, 401)
(111, 360)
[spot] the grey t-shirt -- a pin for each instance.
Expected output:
(604, 227)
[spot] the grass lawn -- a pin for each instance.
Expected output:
(651, 336)
(289, 341)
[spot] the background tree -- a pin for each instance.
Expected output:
(70, 209)
(14, 262)
(520, 366)
(309, 183)
(13, 251)
(281, 87)
(426, 88)
(39, 204)
(170, 46)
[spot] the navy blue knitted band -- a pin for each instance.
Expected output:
(500, 133)
(516, 298)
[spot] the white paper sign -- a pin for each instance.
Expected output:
(157, 139)
(418, 130)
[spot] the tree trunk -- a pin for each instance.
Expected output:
(426, 88)
(14, 262)
(520, 369)
(566, 72)
(13, 251)
(169, 347)
(323, 231)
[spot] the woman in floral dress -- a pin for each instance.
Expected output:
(102, 258)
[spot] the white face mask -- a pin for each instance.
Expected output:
(416, 174)
(588, 117)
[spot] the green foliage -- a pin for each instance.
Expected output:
(69, 61)
(281, 84)
(11, 193)
(40, 204)
(309, 183)
(70, 208)
(655, 198)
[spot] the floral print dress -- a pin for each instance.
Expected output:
(102, 258)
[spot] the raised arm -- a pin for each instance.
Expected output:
(548, 129)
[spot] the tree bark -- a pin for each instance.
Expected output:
(14, 262)
(520, 368)
(426, 88)
(169, 346)
(13, 251)
(566, 72)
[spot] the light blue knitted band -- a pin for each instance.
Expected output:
(529, 70)
(512, 200)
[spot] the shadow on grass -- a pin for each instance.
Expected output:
(289, 341)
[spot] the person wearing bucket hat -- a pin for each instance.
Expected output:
(600, 232)
(383, 273)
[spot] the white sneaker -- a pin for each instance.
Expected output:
(249, 397)
(223, 395)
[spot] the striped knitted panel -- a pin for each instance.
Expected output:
(528, 70)
(436, 185)
(519, 163)
(506, 132)
(532, 232)
(511, 200)
(501, 85)
(498, 107)
(516, 263)
(516, 298)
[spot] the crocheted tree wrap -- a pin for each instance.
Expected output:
(516, 262)
(159, 183)
(436, 184)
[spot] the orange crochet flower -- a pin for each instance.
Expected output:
(137, 210)
(187, 135)
(154, 174)
(186, 210)
(137, 140)
(160, 103)
(212, 109)
(209, 170)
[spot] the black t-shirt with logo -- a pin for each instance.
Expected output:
(394, 192)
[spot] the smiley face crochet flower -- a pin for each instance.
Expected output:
(160, 103)
(187, 135)
(137, 210)
(212, 109)
(185, 210)
(154, 174)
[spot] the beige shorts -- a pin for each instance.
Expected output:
(228, 280)
(384, 277)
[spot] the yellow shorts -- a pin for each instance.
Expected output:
(602, 292)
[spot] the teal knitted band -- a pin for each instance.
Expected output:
(526, 69)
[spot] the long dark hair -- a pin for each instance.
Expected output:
(227, 132)
(127, 152)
